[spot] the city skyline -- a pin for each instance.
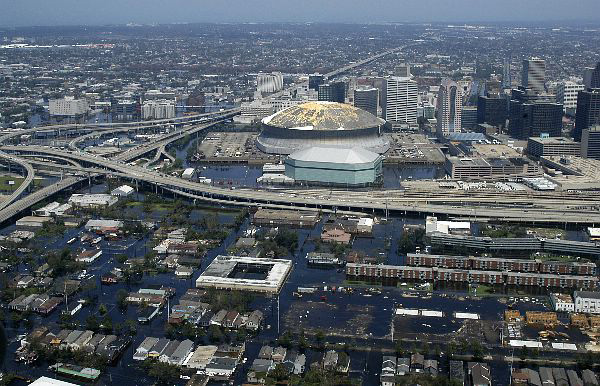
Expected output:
(67, 12)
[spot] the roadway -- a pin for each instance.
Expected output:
(11, 207)
(524, 209)
(24, 185)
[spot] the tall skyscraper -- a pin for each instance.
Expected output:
(403, 70)
(492, 111)
(566, 94)
(588, 111)
(590, 142)
(534, 75)
(315, 80)
(468, 117)
(506, 76)
(332, 92)
(449, 107)
(591, 77)
(402, 99)
(269, 83)
(532, 115)
(367, 99)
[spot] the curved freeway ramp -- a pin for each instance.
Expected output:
(24, 185)
(37, 196)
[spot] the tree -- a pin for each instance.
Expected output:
(92, 323)
(215, 334)
(122, 299)
(279, 373)
(164, 373)
(107, 324)
(102, 309)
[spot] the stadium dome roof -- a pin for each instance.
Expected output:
(323, 116)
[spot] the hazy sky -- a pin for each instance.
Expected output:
(68, 12)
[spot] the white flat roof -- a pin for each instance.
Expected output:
(466, 315)
(525, 343)
(46, 381)
(276, 276)
(406, 311)
(594, 232)
(564, 346)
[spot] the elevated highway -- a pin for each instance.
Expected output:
(535, 208)
(24, 185)
(11, 207)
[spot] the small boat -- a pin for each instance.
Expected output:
(72, 240)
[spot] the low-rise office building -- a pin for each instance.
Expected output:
(587, 302)
(552, 146)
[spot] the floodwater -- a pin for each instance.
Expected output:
(362, 318)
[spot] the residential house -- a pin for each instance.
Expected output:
(181, 352)
(457, 371)
(232, 320)
(254, 320)
(279, 354)
(201, 357)
(430, 366)
(546, 376)
(480, 374)
(141, 353)
(221, 367)
(218, 318)
(403, 366)
(266, 352)
(158, 348)
(388, 371)
(417, 363)
(168, 351)
(259, 370)
(560, 376)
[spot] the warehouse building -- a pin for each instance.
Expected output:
(335, 166)
(245, 274)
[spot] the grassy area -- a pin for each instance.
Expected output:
(361, 283)
(548, 233)
(483, 290)
(546, 257)
(4, 186)
(416, 287)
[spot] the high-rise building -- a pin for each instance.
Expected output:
(590, 142)
(534, 74)
(315, 80)
(367, 99)
(158, 109)
(268, 83)
(532, 115)
(68, 106)
(566, 94)
(506, 76)
(588, 111)
(468, 117)
(333, 92)
(402, 99)
(591, 77)
(449, 107)
(403, 70)
(492, 111)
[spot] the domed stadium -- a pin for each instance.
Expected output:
(324, 124)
